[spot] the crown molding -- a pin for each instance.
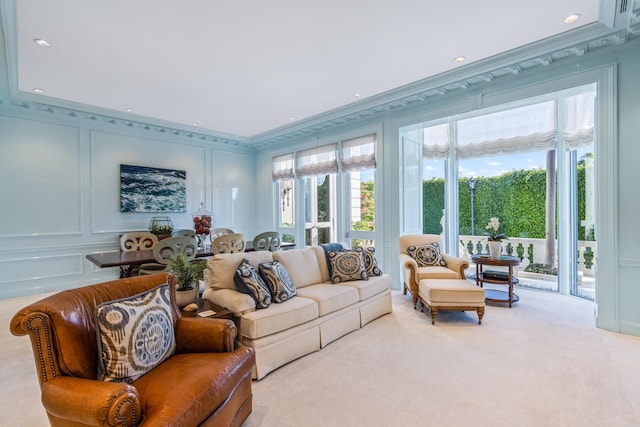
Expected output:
(92, 118)
(576, 43)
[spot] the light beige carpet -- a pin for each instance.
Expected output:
(541, 363)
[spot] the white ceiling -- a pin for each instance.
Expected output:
(247, 67)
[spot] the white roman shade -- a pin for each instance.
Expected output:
(530, 128)
(282, 167)
(317, 161)
(359, 153)
(579, 112)
(435, 145)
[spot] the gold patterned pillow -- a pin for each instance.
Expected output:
(427, 255)
(135, 335)
(347, 265)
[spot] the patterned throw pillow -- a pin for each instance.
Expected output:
(347, 265)
(248, 281)
(134, 335)
(427, 255)
(277, 279)
(370, 262)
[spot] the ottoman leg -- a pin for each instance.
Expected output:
(480, 312)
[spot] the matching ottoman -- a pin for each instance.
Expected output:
(451, 294)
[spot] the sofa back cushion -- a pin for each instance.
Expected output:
(222, 267)
(302, 265)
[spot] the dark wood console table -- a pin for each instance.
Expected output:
(485, 276)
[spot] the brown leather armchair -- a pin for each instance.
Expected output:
(412, 274)
(206, 381)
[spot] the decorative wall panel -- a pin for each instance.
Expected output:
(109, 151)
(37, 160)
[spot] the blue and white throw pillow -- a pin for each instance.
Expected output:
(248, 281)
(347, 265)
(134, 334)
(427, 255)
(278, 280)
(370, 262)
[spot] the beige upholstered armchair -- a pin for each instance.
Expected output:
(412, 273)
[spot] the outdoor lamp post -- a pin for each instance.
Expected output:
(472, 187)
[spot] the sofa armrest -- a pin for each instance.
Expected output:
(232, 300)
(459, 265)
(92, 402)
(203, 335)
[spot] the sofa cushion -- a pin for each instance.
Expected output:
(347, 265)
(302, 265)
(330, 297)
(222, 267)
(373, 286)
(278, 317)
(370, 261)
(278, 281)
(248, 281)
(135, 335)
(426, 255)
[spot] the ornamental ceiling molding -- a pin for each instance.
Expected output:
(516, 62)
(107, 121)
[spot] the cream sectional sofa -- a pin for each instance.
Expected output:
(320, 313)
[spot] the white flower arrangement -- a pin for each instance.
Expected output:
(494, 227)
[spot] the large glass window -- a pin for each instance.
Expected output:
(530, 164)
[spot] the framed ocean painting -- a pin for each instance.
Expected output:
(145, 189)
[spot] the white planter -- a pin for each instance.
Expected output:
(495, 247)
(187, 296)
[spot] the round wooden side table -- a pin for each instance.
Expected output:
(497, 277)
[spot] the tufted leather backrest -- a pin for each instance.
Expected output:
(62, 326)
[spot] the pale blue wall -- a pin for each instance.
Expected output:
(60, 200)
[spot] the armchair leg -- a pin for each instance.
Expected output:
(404, 289)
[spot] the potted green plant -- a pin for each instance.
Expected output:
(186, 274)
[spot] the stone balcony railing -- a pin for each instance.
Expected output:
(530, 251)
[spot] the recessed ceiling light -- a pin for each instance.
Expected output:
(571, 18)
(38, 90)
(128, 110)
(459, 59)
(195, 123)
(42, 42)
(356, 96)
(293, 118)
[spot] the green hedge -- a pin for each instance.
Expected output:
(517, 198)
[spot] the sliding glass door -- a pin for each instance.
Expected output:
(529, 164)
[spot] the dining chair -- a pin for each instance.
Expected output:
(228, 244)
(267, 241)
(217, 232)
(137, 240)
(168, 249)
(186, 233)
